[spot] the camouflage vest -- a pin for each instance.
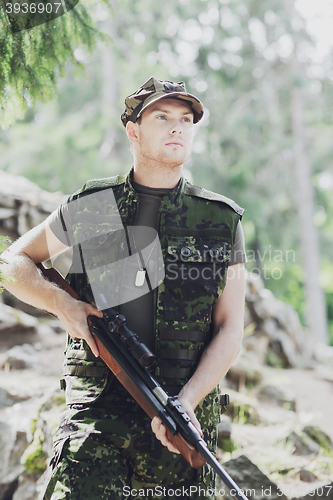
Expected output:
(196, 231)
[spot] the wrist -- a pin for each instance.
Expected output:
(61, 302)
(188, 395)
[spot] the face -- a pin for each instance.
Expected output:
(165, 134)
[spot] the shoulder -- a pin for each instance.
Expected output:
(94, 185)
(199, 192)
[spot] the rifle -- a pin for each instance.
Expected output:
(129, 359)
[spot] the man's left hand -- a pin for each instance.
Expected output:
(160, 430)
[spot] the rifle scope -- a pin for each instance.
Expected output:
(117, 323)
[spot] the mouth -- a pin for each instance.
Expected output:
(175, 144)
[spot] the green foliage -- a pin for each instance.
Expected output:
(319, 436)
(34, 458)
(32, 61)
(227, 444)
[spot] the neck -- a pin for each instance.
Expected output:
(157, 176)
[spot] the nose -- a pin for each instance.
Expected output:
(176, 127)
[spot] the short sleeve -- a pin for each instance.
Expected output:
(60, 224)
(238, 255)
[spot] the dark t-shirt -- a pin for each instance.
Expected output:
(139, 312)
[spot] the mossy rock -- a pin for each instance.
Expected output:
(226, 444)
(319, 436)
(34, 458)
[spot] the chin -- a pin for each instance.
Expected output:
(176, 160)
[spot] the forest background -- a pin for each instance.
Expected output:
(264, 74)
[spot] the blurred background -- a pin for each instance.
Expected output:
(263, 71)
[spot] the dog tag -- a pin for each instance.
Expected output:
(140, 277)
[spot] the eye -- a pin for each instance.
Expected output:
(162, 117)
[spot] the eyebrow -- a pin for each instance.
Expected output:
(168, 112)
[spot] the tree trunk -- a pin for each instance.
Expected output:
(110, 95)
(304, 192)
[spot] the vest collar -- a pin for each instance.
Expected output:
(170, 202)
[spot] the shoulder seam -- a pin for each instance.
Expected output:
(99, 184)
(200, 192)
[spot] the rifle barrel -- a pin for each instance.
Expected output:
(201, 447)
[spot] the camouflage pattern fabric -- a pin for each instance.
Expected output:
(108, 451)
(153, 90)
(197, 229)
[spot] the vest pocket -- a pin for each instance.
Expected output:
(86, 377)
(195, 271)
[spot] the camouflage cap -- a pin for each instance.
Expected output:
(153, 90)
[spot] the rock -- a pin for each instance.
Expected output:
(242, 408)
(323, 353)
(26, 488)
(22, 465)
(281, 395)
(224, 440)
(5, 398)
(318, 436)
(20, 357)
(16, 327)
(224, 427)
(307, 476)
(278, 320)
(28, 203)
(303, 444)
(323, 492)
(256, 346)
(56, 325)
(39, 451)
(12, 445)
(34, 458)
(7, 489)
(244, 372)
(10, 300)
(250, 479)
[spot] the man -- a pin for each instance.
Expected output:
(193, 320)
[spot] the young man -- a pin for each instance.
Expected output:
(193, 320)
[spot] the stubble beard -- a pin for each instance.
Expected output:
(154, 160)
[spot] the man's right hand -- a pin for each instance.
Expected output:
(73, 315)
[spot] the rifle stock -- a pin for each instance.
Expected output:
(147, 392)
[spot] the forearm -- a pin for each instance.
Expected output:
(28, 285)
(214, 364)
(228, 318)
(31, 287)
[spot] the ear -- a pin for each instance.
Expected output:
(132, 132)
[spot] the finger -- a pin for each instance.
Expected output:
(155, 422)
(172, 448)
(91, 310)
(196, 424)
(85, 335)
(161, 434)
(92, 344)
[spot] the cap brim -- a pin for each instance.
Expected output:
(196, 105)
